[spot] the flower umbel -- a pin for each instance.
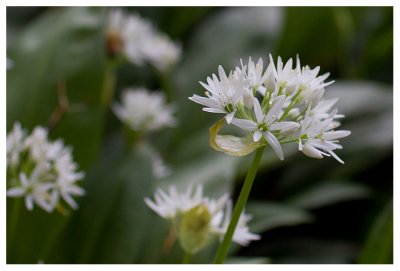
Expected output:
(196, 218)
(40, 170)
(139, 40)
(144, 111)
(278, 105)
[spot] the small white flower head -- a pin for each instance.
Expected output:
(317, 138)
(40, 170)
(197, 218)
(160, 169)
(144, 111)
(140, 41)
(15, 144)
(223, 94)
(162, 52)
(271, 106)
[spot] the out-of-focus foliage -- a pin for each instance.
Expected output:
(308, 211)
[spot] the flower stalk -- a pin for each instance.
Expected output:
(239, 207)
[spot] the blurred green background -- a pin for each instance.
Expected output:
(307, 210)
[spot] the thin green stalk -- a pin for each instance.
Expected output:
(15, 213)
(186, 258)
(240, 204)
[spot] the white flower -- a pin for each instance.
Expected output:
(33, 190)
(160, 169)
(45, 174)
(15, 144)
(66, 185)
(175, 204)
(242, 234)
(317, 138)
(265, 124)
(144, 111)
(171, 204)
(256, 75)
(286, 77)
(223, 94)
(290, 97)
(162, 52)
(141, 41)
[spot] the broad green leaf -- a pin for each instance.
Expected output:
(232, 145)
(378, 247)
(327, 193)
(269, 215)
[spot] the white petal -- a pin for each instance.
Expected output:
(274, 143)
(335, 156)
(15, 192)
(205, 101)
(69, 200)
(230, 116)
(283, 125)
(29, 202)
(257, 136)
(257, 110)
(312, 152)
(247, 125)
(213, 110)
(275, 109)
(332, 135)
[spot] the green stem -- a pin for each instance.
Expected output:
(240, 204)
(16, 210)
(186, 258)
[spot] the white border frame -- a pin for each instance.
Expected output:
(311, 267)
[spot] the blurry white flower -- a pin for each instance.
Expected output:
(160, 169)
(15, 144)
(140, 41)
(178, 206)
(144, 111)
(34, 190)
(162, 52)
(242, 235)
(290, 98)
(41, 170)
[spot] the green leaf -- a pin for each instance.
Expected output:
(378, 247)
(269, 215)
(327, 193)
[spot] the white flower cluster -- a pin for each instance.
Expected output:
(144, 111)
(174, 205)
(141, 41)
(40, 170)
(278, 105)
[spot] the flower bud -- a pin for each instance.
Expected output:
(194, 228)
